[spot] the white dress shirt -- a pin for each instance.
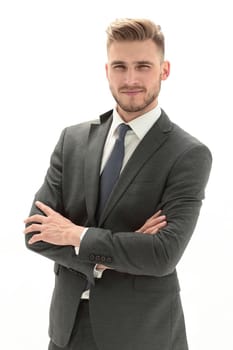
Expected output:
(139, 128)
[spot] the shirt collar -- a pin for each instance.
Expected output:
(140, 125)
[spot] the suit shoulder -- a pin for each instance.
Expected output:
(85, 126)
(81, 127)
(75, 134)
(188, 140)
(184, 136)
(78, 134)
(180, 141)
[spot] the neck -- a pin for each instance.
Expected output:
(129, 116)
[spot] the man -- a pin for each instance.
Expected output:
(116, 239)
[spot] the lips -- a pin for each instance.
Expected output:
(131, 91)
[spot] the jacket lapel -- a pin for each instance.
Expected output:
(97, 136)
(153, 140)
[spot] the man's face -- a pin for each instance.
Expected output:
(134, 71)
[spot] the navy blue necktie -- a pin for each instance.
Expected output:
(113, 166)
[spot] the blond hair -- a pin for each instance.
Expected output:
(128, 29)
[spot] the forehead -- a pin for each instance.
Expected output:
(128, 51)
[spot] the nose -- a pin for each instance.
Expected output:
(131, 76)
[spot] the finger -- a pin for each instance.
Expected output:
(152, 222)
(156, 214)
(159, 226)
(151, 231)
(45, 208)
(101, 267)
(35, 218)
(35, 238)
(33, 228)
(155, 229)
(155, 220)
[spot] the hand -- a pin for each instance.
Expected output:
(153, 224)
(101, 267)
(53, 228)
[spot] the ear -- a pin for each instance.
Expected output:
(165, 70)
(106, 70)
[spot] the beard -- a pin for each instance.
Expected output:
(134, 106)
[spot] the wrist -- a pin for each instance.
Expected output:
(75, 237)
(98, 270)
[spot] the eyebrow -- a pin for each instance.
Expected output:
(135, 62)
(117, 62)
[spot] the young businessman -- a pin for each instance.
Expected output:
(118, 207)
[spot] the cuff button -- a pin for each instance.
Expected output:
(91, 257)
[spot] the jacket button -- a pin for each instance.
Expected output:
(98, 258)
(108, 259)
(103, 259)
(92, 257)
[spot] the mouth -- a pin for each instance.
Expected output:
(131, 91)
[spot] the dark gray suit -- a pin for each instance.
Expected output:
(135, 306)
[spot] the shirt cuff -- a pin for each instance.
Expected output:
(81, 237)
(97, 273)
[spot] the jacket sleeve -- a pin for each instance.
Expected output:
(157, 255)
(50, 193)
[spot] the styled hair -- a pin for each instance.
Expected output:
(128, 29)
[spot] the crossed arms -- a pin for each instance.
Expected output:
(153, 249)
(55, 229)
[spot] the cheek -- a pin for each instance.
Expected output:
(115, 80)
(155, 79)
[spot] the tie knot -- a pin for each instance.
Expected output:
(122, 130)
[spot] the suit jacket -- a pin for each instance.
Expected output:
(136, 305)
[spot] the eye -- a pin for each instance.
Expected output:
(143, 66)
(119, 67)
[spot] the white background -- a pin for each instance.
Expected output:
(52, 75)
